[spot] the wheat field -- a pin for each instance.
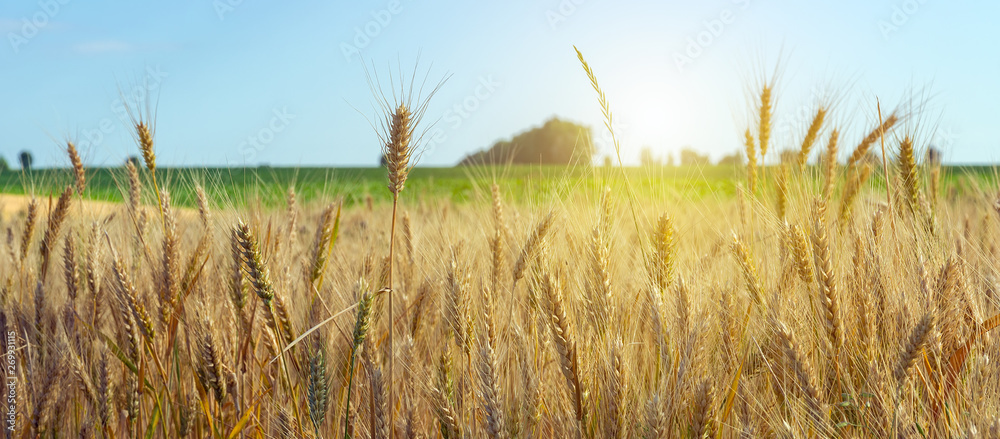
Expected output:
(818, 301)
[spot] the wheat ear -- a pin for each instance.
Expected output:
(362, 324)
(56, 218)
(908, 173)
(875, 134)
(79, 173)
(811, 136)
(531, 246)
(562, 333)
(29, 228)
(830, 165)
(919, 338)
(804, 377)
(827, 282)
(751, 151)
(764, 113)
(749, 270)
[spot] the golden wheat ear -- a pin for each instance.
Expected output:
(764, 119)
(751, 151)
(142, 118)
(79, 173)
(401, 133)
(811, 134)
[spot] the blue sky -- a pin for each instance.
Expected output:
(286, 75)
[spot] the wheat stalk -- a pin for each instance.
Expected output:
(908, 173)
(169, 270)
(811, 134)
(56, 218)
(830, 165)
(362, 324)
(318, 388)
(664, 253)
(876, 133)
(749, 270)
(827, 283)
(531, 246)
(79, 173)
(751, 151)
(489, 380)
(566, 347)
(764, 119)
(803, 373)
(919, 338)
(29, 228)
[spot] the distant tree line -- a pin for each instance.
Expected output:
(561, 142)
(688, 157)
(691, 157)
(557, 142)
(25, 159)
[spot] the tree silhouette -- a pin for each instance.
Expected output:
(26, 160)
(735, 158)
(646, 157)
(691, 157)
(933, 156)
(557, 142)
(3, 164)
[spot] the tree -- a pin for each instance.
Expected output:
(646, 157)
(3, 164)
(557, 142)
(607, 161)
(26, 160)
(383, 161)
(733, 159)
(134, 160)
(691, 157)
(933, 156)
(789, 156)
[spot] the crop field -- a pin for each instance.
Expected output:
(808, 306)
(269, 186)
(850, 288)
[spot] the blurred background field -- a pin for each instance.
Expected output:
(527, 184)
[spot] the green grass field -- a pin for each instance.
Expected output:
(457, 184)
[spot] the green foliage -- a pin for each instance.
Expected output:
(690, 157)
(457, 184)
(3, 164)
(646, 157)
(557, 142)
(735, 158)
